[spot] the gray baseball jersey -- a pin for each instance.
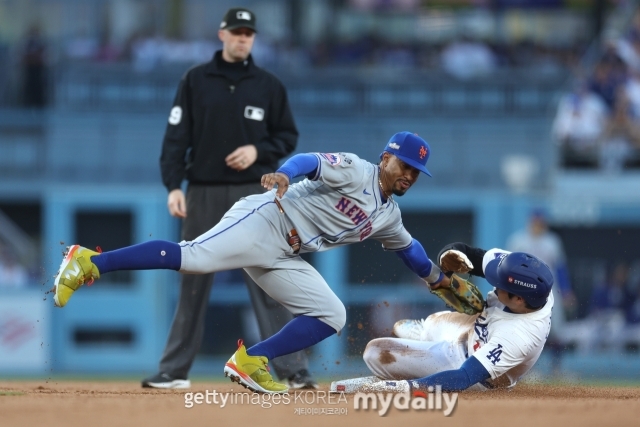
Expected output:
(341, 205)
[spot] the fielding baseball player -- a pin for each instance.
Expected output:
(493, 348)
(343, 200)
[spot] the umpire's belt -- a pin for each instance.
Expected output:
(292, 236)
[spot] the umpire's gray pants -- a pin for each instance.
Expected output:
(206, 205)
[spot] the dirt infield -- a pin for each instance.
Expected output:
(79, 403)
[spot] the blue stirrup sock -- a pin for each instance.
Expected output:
(153, 255)
(302, 332)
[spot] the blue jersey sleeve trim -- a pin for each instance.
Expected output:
(301, 164)
(415, 257)
(471, 372)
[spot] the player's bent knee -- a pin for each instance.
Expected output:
(372, 351)
(372, 356)
(369, 353)
(332, 312)
(342, 316)
(338, 318)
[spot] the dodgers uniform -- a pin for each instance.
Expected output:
(506, 344)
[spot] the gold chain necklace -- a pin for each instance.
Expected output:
(390, 196)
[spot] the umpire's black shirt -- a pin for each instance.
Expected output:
(219, 107)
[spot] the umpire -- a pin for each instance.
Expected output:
(230, 124)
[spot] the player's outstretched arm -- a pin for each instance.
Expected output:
(416, 259)
(458, 293)
(298, 165)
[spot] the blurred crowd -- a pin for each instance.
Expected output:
(597, 125)
(613, 321)
(462, 58)
(144, 53)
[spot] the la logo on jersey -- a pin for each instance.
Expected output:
(494, 355)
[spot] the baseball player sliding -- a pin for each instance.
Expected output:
(343, 200)
(493, 348)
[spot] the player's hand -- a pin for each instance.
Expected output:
(177, 204)
(270, 180)
(455, 261)
(242, 157)
(444, 283)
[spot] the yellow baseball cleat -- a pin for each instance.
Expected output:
(76, 269)
(252, 372)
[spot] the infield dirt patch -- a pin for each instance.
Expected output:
(109, 404)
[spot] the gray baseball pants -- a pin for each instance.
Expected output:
(253, 235)
(206, 205)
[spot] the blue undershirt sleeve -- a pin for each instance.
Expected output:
(300, 164)
(471, 372)
(415, 257)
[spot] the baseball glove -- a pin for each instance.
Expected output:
(462, 296)
(453, 261)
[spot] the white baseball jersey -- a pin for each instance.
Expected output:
(346, 206)
(508, 344)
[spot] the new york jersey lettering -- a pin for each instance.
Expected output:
(354, 212)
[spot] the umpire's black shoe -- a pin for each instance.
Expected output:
(164, 380)
(302, 380)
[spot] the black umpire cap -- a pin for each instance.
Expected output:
(238, 17)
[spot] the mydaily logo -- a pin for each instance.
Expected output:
(419, 401)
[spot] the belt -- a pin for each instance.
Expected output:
(292, 236)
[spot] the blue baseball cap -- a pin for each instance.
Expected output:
(521, 274)
(409, 148)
